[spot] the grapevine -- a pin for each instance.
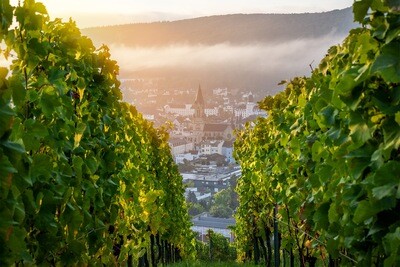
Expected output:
(328, 154)
(78, 179)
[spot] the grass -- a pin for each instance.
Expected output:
(211, 264)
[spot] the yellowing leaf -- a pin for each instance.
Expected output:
(77, 139)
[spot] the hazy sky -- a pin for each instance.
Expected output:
(106, 12)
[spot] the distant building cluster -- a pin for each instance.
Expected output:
(198, 132)
(242, 110)
(202, 136)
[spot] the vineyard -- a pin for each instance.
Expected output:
(84, 178)
(322, 172)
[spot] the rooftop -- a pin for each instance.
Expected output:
(215, 127)
(203, 220)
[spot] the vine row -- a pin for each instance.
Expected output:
(84, 178)
(328, 155)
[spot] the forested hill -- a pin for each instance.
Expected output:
(233, 29)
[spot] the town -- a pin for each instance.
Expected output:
(201, 141)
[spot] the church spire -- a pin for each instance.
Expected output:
(199, 97)
(198, 105)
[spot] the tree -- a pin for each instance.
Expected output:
(221, 211)
(195, 209)
(223, 204)
(223, 197)
(191, 198)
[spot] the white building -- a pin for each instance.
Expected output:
(211, 111)
(220, 91)
(181, 110)
(180, 146)
(187, 110)
(211, 147)
(180, 158)
(249, 108)
(227, 151)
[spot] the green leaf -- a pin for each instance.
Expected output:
(359, 130)
(18, 90)
(392, 248)
(329, 113)
(37, 47)
(41, 166)
(320, 216)
(40, 8)
(76, 247)
(77, 163)
(364, 211)
(391, 134)
(387, 174)
(358, 163)
(384, 191)
(5, 169)
(14, 147)
(347, 81)
(324, 171)
(317, 149)
(387, 63)
(6, 15)
(333, 216)
(16, 242)
(397, 117)
(55, 75)
(92, 164)
(80, 129)
(49, 101)
(35, 128)
(360, 9)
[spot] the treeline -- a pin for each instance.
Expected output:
(84, 178)
(237, 29)
(328, 156)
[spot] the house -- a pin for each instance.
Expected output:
(249, 108)
(227, 151)
(211, 111)
(181, 110)
(180, 146)
(211, 147)
(208, 185)
(218, 131)
(191, 155)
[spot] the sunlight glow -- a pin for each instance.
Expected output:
(101, 12)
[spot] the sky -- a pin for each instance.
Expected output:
(89, 13)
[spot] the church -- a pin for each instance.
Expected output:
(201, 129)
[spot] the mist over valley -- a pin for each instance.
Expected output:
(243, 52)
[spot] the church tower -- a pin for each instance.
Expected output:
(199, 117)
(198, 105)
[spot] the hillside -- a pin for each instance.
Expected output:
(234, 29)
(246, 52)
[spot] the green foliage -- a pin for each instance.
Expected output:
(221, 211)
(328, 154)
(78, 179)
(221, 204)
(195, 209)
(218, 249)
(210, 264)
(191, 197)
